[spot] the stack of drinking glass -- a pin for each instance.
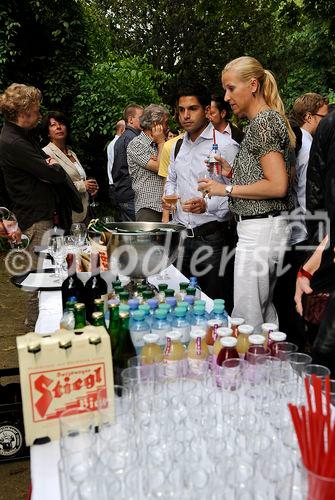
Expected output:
(224, 432)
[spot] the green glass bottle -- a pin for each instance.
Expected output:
(98, 319)
(79, 315)
(125, 349)
(99, 305)
(114, 325)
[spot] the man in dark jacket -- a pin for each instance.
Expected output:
(123, 194)
(39, 189)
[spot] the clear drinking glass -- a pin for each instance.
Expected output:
(78, 232)
(318, 370)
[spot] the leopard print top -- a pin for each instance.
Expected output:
(265, 133)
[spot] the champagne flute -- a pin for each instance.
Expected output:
(93, 204)
(9, 226)
(172, 199)
(204, 174)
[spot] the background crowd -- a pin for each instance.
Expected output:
(264, 171)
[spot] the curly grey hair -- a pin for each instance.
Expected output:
(153, 114)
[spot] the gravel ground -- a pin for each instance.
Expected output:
(14, 476)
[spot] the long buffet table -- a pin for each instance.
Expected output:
(44, 458)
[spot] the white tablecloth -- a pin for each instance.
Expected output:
(44, 458)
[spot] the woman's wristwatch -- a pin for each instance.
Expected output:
(229, 189)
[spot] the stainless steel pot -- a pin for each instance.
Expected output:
(140, 249)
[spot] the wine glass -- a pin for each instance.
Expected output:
(204, 174)
(172, 199)
(58, 252)
(9, 226)
(93, 204)
(78, 232)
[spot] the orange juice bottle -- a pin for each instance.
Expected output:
(151, 351)
(174, 355)
(235, 323)
(211, 336)
(266, 329)
(243, 333)
(223, 331)
(197, 351)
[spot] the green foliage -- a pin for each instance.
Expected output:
(108, 88)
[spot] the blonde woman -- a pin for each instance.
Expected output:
(260, 191)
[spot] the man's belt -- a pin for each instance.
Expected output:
(208, 228)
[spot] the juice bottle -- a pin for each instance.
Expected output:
(256, 348)
(174, 355)
(228, 350)
(274, 338)
(266, 329)
(234, 324)
(151, 351)
(221, 332)
(211, 334)
(243, 333)
(197, 351)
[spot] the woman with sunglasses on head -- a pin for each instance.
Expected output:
(260, 190)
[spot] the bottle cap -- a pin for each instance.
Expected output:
(116, 283)
(197, 332)
(141, 288)
(162, 287)
(124, 295)
(193, 281)
(237, 321)
(223, 331)
(269, 327)
(174, 335)
(277, 336)
(169, 292)
(180, 312)
(183, 285)
(152, 303)
(147, 294)
(145, 308)
(124, 314)
(189, 299)
(124, 308)
(97, 315)
(199, 311)
(172, 301)
(218, 309)
(190, 290)
(200, 302)
(228, 341)
(72, 299)
(151, 338)
(133, 304)
(245, 329)
(213, 322)
(98, 301)
(160, 314)
(181, 303)
(79, 306)
(164, 307)
(256, 339)
(219, 301)
(118, 289)
(138, 315)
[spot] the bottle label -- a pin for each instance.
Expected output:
(215, 332)
(168, 346)
(198, 346)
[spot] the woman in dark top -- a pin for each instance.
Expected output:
(259, 194)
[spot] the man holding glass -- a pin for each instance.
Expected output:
(210, 236)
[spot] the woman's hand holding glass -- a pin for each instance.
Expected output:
(211, 188)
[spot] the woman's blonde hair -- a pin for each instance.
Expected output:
(247, 68)
(18, 98)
